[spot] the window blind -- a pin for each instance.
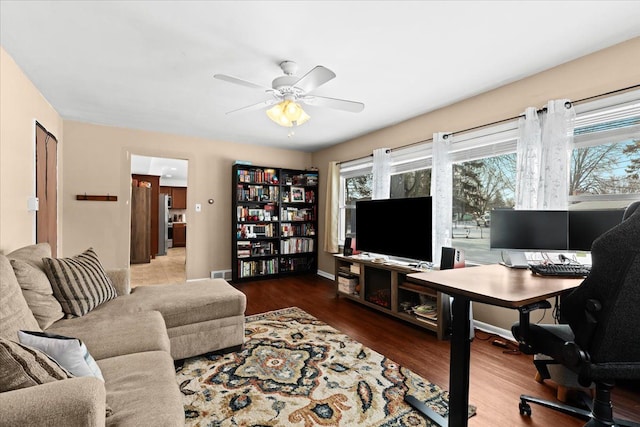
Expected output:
(487, 142)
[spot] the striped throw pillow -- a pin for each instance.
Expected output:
(22, 366)
(79, 283)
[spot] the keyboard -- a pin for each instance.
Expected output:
(563, 270)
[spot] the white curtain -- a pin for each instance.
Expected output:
(543, 154)
(557, 142)
(381, 173)
(442, 194)
(332, 209)
(529, 151)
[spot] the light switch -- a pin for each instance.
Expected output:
(198, 207)
(33, 204)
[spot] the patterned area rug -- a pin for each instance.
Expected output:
(296, 370)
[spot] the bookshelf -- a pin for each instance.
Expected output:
(385, 287)
(274, 222)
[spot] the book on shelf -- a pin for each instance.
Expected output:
(426, 319)
(427, 311)
(346, 270)
(244, 249)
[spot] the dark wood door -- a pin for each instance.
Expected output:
(140, 225)
(47, 188)
(155, 192)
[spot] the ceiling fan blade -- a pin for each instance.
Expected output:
(253, 107)
(314, 78)
(338, 104)
(240, 82)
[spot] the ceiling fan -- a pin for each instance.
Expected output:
(289, 91)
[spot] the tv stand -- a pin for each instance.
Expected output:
(385, 287)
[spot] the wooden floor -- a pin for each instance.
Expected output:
(165, 269)
(497, 378)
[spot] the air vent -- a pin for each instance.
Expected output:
(221, 274)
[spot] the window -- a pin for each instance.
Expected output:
(410, 175)
(411, 184)
(411, 171)
(605, 163)
(484, 171)
(605, 171)
(356, 183)
(356, 188)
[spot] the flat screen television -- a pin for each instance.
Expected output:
(534, 230)
(587, 225)
(395, 227)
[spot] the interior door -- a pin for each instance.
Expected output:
(47, 188)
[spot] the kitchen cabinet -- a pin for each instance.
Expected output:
(178, 196)
(179, 234)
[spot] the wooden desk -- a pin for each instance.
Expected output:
(490, 284)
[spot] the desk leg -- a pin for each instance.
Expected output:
(458, 371)
(459, 363)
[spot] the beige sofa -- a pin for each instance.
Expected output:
(134, 339)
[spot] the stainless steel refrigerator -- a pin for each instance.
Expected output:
(163, 224)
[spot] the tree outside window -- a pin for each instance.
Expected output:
(356, 188)
(481, 185)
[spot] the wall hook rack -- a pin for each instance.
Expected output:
(98, 198)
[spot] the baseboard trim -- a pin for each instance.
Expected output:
(491, 329)
(326, 275)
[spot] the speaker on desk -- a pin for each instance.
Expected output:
(451, 258)
(347, 250)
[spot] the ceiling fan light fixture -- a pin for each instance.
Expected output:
(288, 113)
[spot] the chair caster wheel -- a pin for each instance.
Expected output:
(525, 409)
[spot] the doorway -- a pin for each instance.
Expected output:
(158, 220)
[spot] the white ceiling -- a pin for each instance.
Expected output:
(150, 64)
(172, 172)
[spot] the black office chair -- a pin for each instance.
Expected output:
(600, 340)
(631, 209)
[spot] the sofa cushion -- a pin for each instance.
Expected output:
(14, 311)
(32, 254)
(77, 401)
(38, 293)
(79, 283)
(70, 353)
(29, 269)
(110, 330)
(22, 366)
(142, 390)
(191, 303)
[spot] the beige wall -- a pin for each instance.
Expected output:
(604, 71)
(97, 161)
(21, 105)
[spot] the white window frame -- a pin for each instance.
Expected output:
(350, 169)
(616, 107)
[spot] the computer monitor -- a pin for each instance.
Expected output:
(587, 225)
(529, 230)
